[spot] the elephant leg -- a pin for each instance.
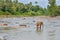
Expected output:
(37, 28)
(40, 27)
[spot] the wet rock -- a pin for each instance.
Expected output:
(5, 24)
(34, 21)
(22, 25)
(17, 22)
(24, 18)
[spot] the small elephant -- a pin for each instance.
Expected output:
(39, 25)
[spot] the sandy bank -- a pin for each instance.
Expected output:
(46, 17)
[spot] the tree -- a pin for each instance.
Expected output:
(28, 6)
(35, 8)
(52, 7)
(58, 10)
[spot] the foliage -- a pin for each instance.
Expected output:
(9, 7)
(52, 8)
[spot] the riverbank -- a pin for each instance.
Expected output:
(19, 16)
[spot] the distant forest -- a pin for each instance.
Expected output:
(9, 7)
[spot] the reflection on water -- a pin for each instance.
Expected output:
(50, 29)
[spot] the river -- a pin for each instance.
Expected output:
(51, 29)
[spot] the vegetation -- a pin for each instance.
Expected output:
(9, 7)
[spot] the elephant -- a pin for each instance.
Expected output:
(39, 25)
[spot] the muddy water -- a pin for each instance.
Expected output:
(50, 30)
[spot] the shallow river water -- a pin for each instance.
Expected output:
(51, 29)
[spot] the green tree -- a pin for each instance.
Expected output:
(28, 6)
(58, 10)
(52, 7)
(35, 8)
